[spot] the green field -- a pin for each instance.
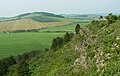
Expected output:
(18, 43)
(70, 27)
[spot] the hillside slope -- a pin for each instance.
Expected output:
(30, 15)
(93, 52)
(35, 20)
(25, 24)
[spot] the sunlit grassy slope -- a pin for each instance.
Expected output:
(94, 52)
(24, 24)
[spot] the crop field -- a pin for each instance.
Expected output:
(18, 43)
(69, 28)
(25, 24)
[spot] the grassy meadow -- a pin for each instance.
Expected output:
(19, 43)
(69, 27)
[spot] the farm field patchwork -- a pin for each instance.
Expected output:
(19, 43)
(25, 24)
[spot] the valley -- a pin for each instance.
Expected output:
(64, 50)
(16, 43)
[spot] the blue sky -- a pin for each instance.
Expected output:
(15, 7)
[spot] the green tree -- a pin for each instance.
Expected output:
(5, 64)
(77, 29)
(71, 35)
(66, 37)
(59, 41)
(23, 69)
(110, 14)
(119, 17)
(101, 17)
(114, 17)
(111, 18)
(54, 44)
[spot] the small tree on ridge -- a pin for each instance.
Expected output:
(77, 29)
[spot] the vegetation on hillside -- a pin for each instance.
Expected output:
(30, 15)
(77, 28)
(60, 41)
(95, 51)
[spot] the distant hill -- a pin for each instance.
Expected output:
(33, 16)
(35, 20)
(83, 16)
(28, 15)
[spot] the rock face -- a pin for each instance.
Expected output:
(99, 47)
(118, 38)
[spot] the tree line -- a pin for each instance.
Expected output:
(111, 18)
(60, 41)
(21, 61)
(19, 31)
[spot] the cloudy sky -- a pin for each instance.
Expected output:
(15, 7)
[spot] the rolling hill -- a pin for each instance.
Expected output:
(28, 32)
(82, 16)
(94, 51)
(30, 15)
(25, 24)
(35, 20)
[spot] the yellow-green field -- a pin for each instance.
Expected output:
(19, 43)
(25, 24)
